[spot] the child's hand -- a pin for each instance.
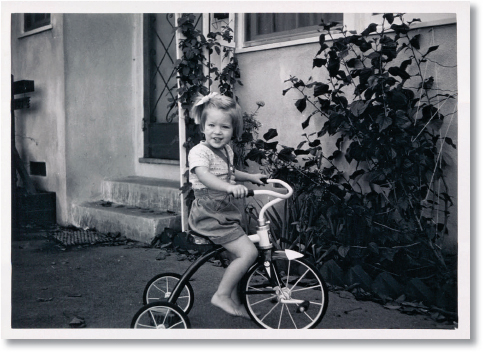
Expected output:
(259, 179)
(238, 191)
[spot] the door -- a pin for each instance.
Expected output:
(161, 118)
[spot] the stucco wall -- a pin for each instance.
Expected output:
(40, 129)
(264, 73)
(99, 101)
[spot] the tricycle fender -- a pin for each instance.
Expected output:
(286, 254)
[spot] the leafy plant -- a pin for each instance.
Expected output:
(249, 135)
(381, 195)
(196, 73)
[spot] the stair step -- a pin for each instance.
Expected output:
(135, 223)
(143, 192)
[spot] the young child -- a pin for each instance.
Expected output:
(213, 177)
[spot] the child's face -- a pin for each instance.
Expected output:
(218, 128)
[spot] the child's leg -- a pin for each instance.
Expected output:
(244, 253)
(235, 297)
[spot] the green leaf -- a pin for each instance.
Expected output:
(450, 142)
(335, 155)
(396, 71)
(301, 144)
(389, 17)
(373, 247)
(388, 253)
(301, 152)
(358, 107)
(371, 28)
(343, 250)
(321, 88)
(271, 133)
(415, 41)
(373, 55)
(286, 90)
(383, 121)
(306, 122)
(318, 62)
(431, 49)
(356, 174)
(314, 143)
(400, 28)
(355, 63)
(322, 48)
(301, 104)
(271, 146)
(286, 154)
(402, 121)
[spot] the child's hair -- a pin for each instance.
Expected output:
(221, 102)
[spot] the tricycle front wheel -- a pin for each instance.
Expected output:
(299, 301)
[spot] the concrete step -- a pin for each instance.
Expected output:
(143, 192)
(133, 222)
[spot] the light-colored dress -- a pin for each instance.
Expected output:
(213, 213)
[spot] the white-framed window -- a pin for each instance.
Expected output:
(266, 28)
(250, 35)
(33, 23)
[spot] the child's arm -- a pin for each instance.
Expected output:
(214, 183)
(253, 178)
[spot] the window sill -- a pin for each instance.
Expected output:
(158, 161)
(35, 31)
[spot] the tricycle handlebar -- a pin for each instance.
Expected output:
(279, 197)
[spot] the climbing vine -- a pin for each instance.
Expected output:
(196, 74)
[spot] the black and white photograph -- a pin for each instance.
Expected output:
(229, 169)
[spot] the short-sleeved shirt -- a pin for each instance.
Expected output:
(202, 155)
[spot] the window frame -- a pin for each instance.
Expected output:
(277, 37)
(356, 21)
(24, 33)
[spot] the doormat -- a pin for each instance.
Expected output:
(74, 237)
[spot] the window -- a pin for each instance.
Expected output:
(35, 20)
(276, 27)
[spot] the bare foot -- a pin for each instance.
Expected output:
(242, 312)
(226, 304)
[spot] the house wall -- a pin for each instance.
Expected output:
(40, 130)
(264, 72)
(81, 120)
(99, 101)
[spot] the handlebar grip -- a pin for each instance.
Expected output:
(250, 193)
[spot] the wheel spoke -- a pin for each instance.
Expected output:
(305, 288)
(262, 274)
(146, 326)
(263, 300)
(275, 306)
(288, 272)
(280, 318)
(300, 278)
(154, 318)
(291, 318)
(154, 285)
(172, 326)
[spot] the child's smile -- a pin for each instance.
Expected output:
(218, 128)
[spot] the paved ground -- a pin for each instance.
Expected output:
(103, 286)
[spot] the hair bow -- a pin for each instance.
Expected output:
(206, 98)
